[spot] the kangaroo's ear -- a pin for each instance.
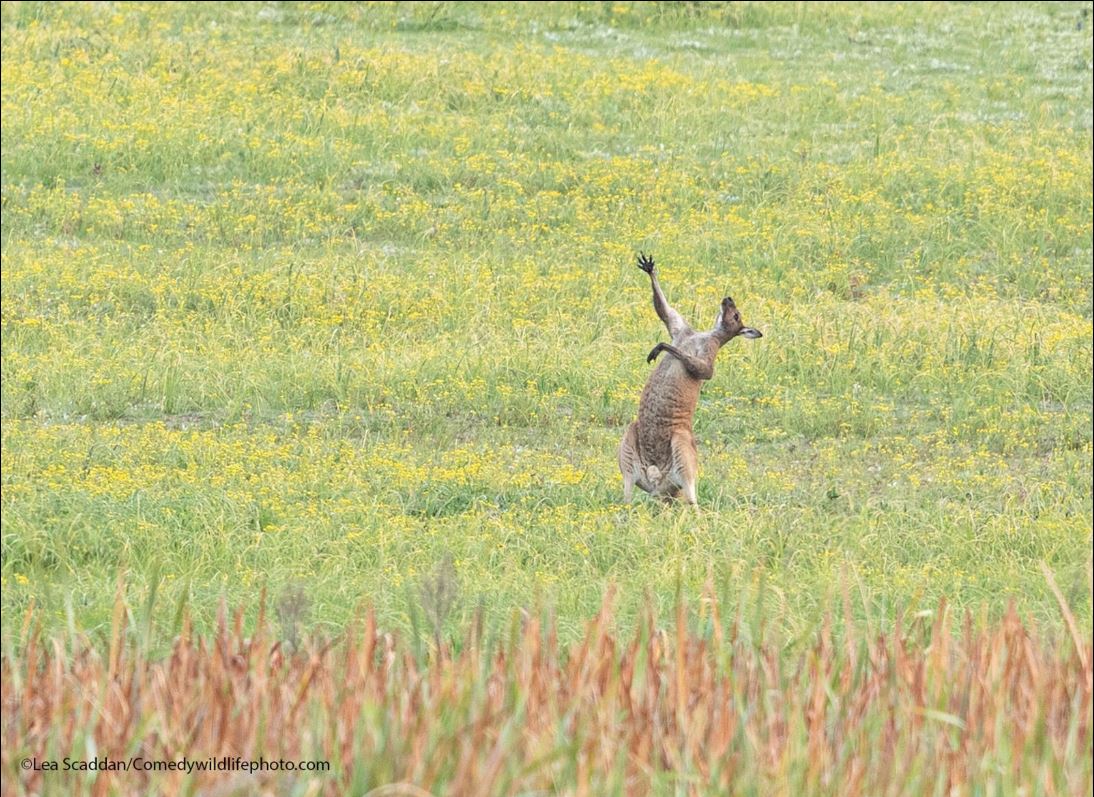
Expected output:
(725, 312)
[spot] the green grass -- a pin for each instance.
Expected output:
(313, 296)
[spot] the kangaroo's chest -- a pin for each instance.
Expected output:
(667, 407)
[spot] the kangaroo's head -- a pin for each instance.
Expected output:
(729, 325)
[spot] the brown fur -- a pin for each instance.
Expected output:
(658, 451)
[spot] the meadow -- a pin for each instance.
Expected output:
(338, 302)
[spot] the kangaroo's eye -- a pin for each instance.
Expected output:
(736, 316)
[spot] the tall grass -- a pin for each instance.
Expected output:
(324, 293)
(704, 702)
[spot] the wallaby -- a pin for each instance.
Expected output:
(658, 450)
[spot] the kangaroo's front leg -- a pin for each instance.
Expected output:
(696, 367)
(673, 321)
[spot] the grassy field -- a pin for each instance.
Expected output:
(315, 296)
(320, 297)
(338, 302)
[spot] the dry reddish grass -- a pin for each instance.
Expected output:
(935, 707)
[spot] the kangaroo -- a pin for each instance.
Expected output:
(658, 450)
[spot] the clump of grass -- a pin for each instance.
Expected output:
(706, 704)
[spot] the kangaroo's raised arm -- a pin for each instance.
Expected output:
(697, 367)
(673, 320)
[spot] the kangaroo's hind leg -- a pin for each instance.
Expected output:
(629, 464)
(685, 466)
